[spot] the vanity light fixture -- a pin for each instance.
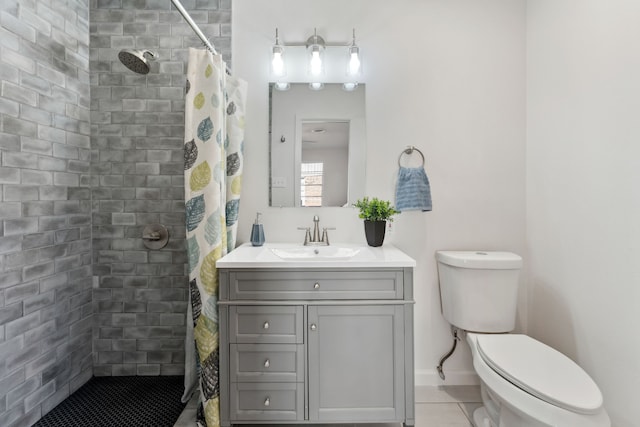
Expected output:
(316, 46)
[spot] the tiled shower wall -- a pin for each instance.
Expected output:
(45, 230)
(137, 167)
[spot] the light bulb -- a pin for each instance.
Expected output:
(349, 86)
(316, 85)
(316, 62)
(277, 63)
(282, 86)
(354, 61)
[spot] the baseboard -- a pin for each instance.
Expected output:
(430, 377)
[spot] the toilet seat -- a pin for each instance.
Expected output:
(540, 371)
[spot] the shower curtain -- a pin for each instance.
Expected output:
(214, 136)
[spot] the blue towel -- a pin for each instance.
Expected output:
(413, 191)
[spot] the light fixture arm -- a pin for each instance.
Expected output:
(277, 39)
(315, 40)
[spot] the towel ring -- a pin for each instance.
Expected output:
(408, 151)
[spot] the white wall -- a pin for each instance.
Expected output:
(583, 172)
(450, 78)
(447, 77)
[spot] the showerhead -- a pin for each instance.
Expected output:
(137, 60)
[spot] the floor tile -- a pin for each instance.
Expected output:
(441, 415)
(187, 418)
(468, 408)
(448, 394)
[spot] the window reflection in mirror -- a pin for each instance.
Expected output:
(323, 164)
(317, 146)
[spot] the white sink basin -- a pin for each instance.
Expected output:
(308, 253)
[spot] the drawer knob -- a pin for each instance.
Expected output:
(313, 327)
(316, 285)
(267, 363)
(265, 325)
(267, 402)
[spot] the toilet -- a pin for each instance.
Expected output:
(524, 383)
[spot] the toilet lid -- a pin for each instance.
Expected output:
(541, 371)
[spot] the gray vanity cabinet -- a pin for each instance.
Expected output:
(309, 346)
(356, 365)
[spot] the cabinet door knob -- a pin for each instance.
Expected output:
(267, 401)
(267, 363)
(316, 285)
(265, 325)
(313, 327)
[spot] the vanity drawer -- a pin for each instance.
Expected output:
(266, 324)
(316, 284)
(267, 363)
(267, 401)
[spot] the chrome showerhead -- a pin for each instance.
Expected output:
(137, 60)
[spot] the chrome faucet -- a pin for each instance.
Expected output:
(316, 233)
(315, 239)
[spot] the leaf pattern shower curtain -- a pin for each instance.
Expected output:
(214, 135)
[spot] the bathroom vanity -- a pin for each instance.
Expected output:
(316, 335)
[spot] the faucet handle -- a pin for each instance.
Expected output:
(307, 235)
(325, 235)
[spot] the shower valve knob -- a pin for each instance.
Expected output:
(155, 236)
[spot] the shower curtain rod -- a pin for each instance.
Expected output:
(194, 26)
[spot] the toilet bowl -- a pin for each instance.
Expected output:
(524, 383)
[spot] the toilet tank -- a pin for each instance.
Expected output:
(479, 290)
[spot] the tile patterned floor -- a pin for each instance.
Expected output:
(435, 407)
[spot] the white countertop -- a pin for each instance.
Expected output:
(247, 256)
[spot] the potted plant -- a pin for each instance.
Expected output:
(375, 213)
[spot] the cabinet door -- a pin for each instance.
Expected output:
(356, 363)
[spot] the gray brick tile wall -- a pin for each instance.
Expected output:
(45, 250)
(137, 172)
(90, 153)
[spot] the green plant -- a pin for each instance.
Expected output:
(375, 209)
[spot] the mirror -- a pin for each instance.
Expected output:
(317, 146)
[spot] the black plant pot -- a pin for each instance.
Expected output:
(374, 230)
